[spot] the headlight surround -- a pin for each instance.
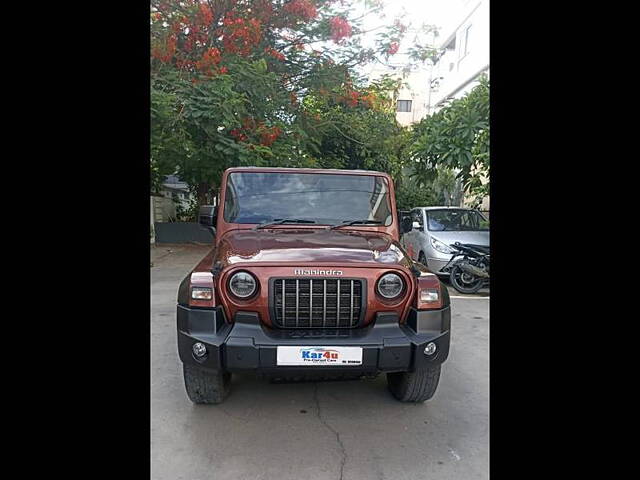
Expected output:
(439, 246)
(390, 286)
(242, 285)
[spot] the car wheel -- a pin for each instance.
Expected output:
(205, 386)
(422, 259)
(414, 387)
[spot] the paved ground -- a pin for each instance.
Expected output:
(328, 430)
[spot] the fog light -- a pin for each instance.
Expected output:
(430, 349)
(429, 295)
(199, 350)
(201, 293)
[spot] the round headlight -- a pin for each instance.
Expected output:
(390, 285)
(242, 285)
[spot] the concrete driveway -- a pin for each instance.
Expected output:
(327, 430)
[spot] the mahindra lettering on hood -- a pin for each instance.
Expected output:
(301, 271)
(307, 277)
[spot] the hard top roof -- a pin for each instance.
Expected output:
(306, 170)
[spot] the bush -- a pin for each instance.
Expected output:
(410, 196)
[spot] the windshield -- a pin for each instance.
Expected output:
(456, 220)
(256, 197)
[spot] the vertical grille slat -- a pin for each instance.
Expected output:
(296, 303)
(311, 303)
(324, 305)
(338, 292)
(351, 304)
(297, 299)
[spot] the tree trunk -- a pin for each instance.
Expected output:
(204, 194)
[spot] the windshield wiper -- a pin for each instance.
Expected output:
(283, 221)
(346, 223)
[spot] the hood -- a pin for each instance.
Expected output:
(307, 246)
(476, 238)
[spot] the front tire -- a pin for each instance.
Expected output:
(205, 386)
(422, 259)
(415, 387)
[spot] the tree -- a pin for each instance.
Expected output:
(456, 137)
(410, 196)
(357, 129)
(265, 82)
(447, 187)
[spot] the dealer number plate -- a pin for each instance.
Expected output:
(319, 356)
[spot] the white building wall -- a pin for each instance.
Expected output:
(414, 89)
(466, 55)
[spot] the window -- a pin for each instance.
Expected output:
(458, 220)
(256, 197)
(464, 44)
(404, 105)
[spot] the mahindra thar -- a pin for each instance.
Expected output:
(307, 279)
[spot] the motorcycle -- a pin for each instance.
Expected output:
(469, 267)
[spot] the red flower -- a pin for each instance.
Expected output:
(340, 29)
(393, 48)
(241, 36)
(209, 59)
(238, 135)
(205, 15)
(269, 135)
(166, 52)
(275, 54)
(302, 9)
(224, 70)
(402, 28)
(352, 100)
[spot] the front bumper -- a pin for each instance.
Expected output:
(248, 345)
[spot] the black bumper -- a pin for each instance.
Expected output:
(247, 345)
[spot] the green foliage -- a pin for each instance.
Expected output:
(291, 98)
(189, 213)
(446, 186)
(456, 137)
(410, 196)
(359, 132)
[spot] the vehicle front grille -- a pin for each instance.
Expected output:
(315, 303)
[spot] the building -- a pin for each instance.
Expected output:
(174, 197)
(463, 59)
(411, 106)
(464, 56)
(178, 191)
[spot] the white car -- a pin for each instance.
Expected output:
(435, 228)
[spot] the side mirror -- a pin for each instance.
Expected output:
(207, 217)
(405, 225)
